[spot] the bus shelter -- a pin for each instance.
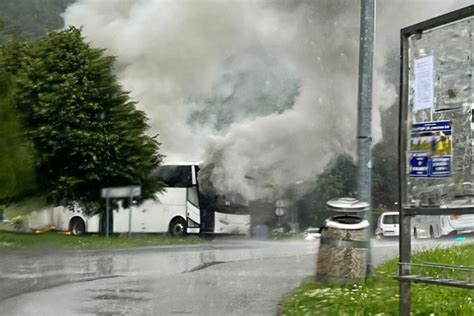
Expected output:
(436, 128)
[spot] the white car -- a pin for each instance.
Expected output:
(311, 233)
(388, 225)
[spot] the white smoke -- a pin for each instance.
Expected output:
(267, 87)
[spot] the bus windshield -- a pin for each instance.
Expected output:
(175, 176)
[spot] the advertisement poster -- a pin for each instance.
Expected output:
(431, 150)
(423, 83)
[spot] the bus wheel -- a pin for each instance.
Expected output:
(78, 227)
(178, 227)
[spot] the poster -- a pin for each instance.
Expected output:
(423, 83)
(430, 150)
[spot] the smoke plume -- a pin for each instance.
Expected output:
(266, 90)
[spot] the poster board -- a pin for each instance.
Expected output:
(436, 167)
(437, 124)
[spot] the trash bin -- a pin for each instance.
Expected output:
(343, 249)
(261, 232)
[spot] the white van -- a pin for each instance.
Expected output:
(388, 225)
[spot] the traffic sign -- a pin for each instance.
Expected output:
(121, 192)
(280, 211)
(282, 203)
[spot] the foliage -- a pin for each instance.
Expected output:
(86, 130)
(10, 240)
(16, 154)
(31, 19)
(378, 295)
(339, 179)
(385, 162)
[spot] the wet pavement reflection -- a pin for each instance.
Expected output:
(225, 277)
(24, 272)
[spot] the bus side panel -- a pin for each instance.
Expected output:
(462, 222)
(153, 216)
(61, 216)
(150, 217)
(173, 202)
(120, 220)
(423, 223)
(231, 223)
(92, 223)
(122, 217)
(41, 218)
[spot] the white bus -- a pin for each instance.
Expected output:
(429, 226)
(432, 226)
(178, 210)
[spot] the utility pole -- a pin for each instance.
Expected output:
(364, 101)
(364, 105)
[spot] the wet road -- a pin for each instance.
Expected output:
(227, 277)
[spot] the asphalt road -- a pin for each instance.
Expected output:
(227, 277)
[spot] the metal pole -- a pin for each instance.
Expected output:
(130, 216)
(405, 220)
(405, 256)
(364, 103)
(107, 220)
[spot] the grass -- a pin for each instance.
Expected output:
(52, 240)
(378, 295)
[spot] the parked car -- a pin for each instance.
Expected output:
(388, 225)
(311, 233)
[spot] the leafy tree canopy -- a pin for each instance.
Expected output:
(87, 132)
(16, 158)
(339, 179)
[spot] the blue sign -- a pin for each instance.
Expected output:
(440, 166)
(437, 126)
(419, 165)
(431, 150)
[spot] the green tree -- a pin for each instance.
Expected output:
(385, 162)
(87, 132)
(16, 158)
(339, 179)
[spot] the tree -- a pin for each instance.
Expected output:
(16, 157)
(339, 179)
(385, 162)
(87, 132)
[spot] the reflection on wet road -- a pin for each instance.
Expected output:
(227, 277)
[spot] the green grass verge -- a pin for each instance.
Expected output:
(378, 295)
(22, 241)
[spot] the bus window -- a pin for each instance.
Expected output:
(175, 176)
(193, 196)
